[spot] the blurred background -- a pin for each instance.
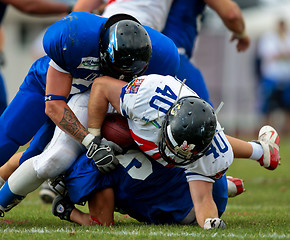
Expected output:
(232, 78)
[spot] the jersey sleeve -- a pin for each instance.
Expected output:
(72, 39)
(215, 162)
(54, 42)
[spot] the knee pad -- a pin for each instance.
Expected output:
(55, 161)
(24, 179)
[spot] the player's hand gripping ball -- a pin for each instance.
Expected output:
(115, 128)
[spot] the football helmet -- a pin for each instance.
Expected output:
(125, 47)
(187, 130)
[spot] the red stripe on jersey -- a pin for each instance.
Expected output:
(144, 145)
(110, 1)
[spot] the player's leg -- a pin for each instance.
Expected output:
(9, 167)
(265, 150)
(193, 76)
(55, 159)
(22, 118)
(33, 172)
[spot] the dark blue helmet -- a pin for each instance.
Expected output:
(125, 47)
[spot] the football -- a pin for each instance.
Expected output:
(115, 128)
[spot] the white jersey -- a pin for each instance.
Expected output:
(145, 102)
(152, 13)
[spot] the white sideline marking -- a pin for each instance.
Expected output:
(138, 233)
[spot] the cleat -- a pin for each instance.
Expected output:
(46, 193)
(15, 202)
(62, 207)
(269, 140)
(235, 186)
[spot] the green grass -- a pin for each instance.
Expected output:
(262, 212)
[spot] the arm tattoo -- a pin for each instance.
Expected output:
(71, 125)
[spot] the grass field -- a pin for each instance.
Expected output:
(262, 212)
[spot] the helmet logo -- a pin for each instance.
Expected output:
(113, 44)
(185, 149)
(175, 109)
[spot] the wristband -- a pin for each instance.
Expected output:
(95, 131)
(88, 139)
(241, 35)
(51, 97)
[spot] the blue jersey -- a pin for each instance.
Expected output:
(146, 190)
(182, 21)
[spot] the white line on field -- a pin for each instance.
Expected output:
(98, 231)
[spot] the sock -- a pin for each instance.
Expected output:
(257, 151)
(7, 196)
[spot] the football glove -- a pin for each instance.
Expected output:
(92, 143)
(214, 223)
(115, 147)
(105, 159)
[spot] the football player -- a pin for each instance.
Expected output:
(172, 125)
(140, 187)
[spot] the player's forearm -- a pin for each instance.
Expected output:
(205, 209)
(97, 108)
(60, 113)
(101, 206)
(230, 14)
(204, 206)
(235, 22)
(104, 90)
(40, 6)
(87, 5)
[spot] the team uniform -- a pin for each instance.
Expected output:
(72, 45)
(146, 190)
(182, 18)
(3, 95)
(145, 102)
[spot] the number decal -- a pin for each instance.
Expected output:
(166, 92)
(137, 165)
(221, 149)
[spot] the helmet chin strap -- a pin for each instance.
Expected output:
(182, 84)
(219, 108)
(216, 113)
